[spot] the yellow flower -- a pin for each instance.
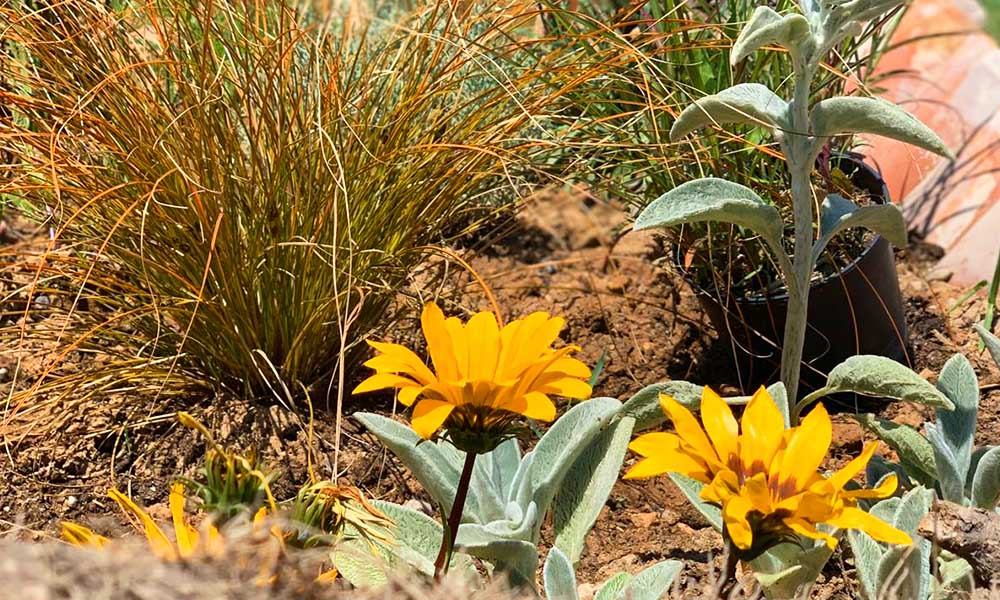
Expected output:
(765, 478)
(189, 541)
(78, 535)
(484, 376)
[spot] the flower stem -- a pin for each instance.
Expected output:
(727, 578)
(455, 518)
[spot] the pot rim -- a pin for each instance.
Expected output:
(880, 197)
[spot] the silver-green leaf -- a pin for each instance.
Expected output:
(558, 577)
(838, 214)
(587, 486)
(986, 480)
(767, 27)
(713, 199)
(958, 427)
(654, 582)
(853, 114)
(645, 408)
(948, 465)
(914, 451)
(746, 103)
(883, 377)
(613, 588)
(992, 342)
(692, 491)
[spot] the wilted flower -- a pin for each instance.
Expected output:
(187, 541)
(765, 478)
(484, 376)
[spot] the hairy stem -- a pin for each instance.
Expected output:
(797, 144)
(455, 518)
(727, 578)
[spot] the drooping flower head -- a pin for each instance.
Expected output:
(765, 478)
(484, 377)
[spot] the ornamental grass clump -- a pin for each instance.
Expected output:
(237, 194)
(487, 377)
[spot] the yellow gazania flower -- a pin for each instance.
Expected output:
(766, 479)
(189, 541)
(484, 376)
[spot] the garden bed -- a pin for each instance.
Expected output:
(566, 253)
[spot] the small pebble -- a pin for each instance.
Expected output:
(4, 373)
(71, 501)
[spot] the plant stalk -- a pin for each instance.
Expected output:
(797, 153)
(727, 578)
(455, 518)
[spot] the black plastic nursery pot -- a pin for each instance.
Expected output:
(857, 311)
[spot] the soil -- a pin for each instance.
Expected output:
(566, 253)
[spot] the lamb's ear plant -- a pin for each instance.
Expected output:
(652, 583)
(570, 471)
(802, 130)
(906, 572)
(945, 457)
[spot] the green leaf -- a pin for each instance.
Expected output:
(986, 481)
(558, 577)
(913, 449)
(779, 394)
(713, 199)
(787, 571)
(750, 103)
(432, 468)
(614, 588)
(991, 341)
(866, 10)
(493, 474)
(654, 582)
(838, 213)
(355, 563)
(867, 559)
(517, 558)
(948, 466)
(851, 114)
(957, 579)
(900, 572)
(417, 539)
(587, 486)
(766, 27)
(644, 406)
(883, 377)
(692, 490)
(912, 507)
(563, 444)
(958, 427)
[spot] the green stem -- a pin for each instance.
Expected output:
(455, 518)
(797, 147)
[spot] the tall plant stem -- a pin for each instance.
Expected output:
(796, 146)
(455, 518)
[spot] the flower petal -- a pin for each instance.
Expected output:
(807, 529)
(158, 541)
(439, 344)
(725, 485)
(805, 452)
(567, 387)
(763, 429)
(411, 363)
(855, 518)
(758, 493)
(689, 429)
(483, 334)
(734, 514)
(851, 469)
(533, 405)
(381, 381)
(665, 457)
(571, 367)
(428, 416)
(657, 442)
(186, 537)
(720, 424)
(884, 490)
(409, 395)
